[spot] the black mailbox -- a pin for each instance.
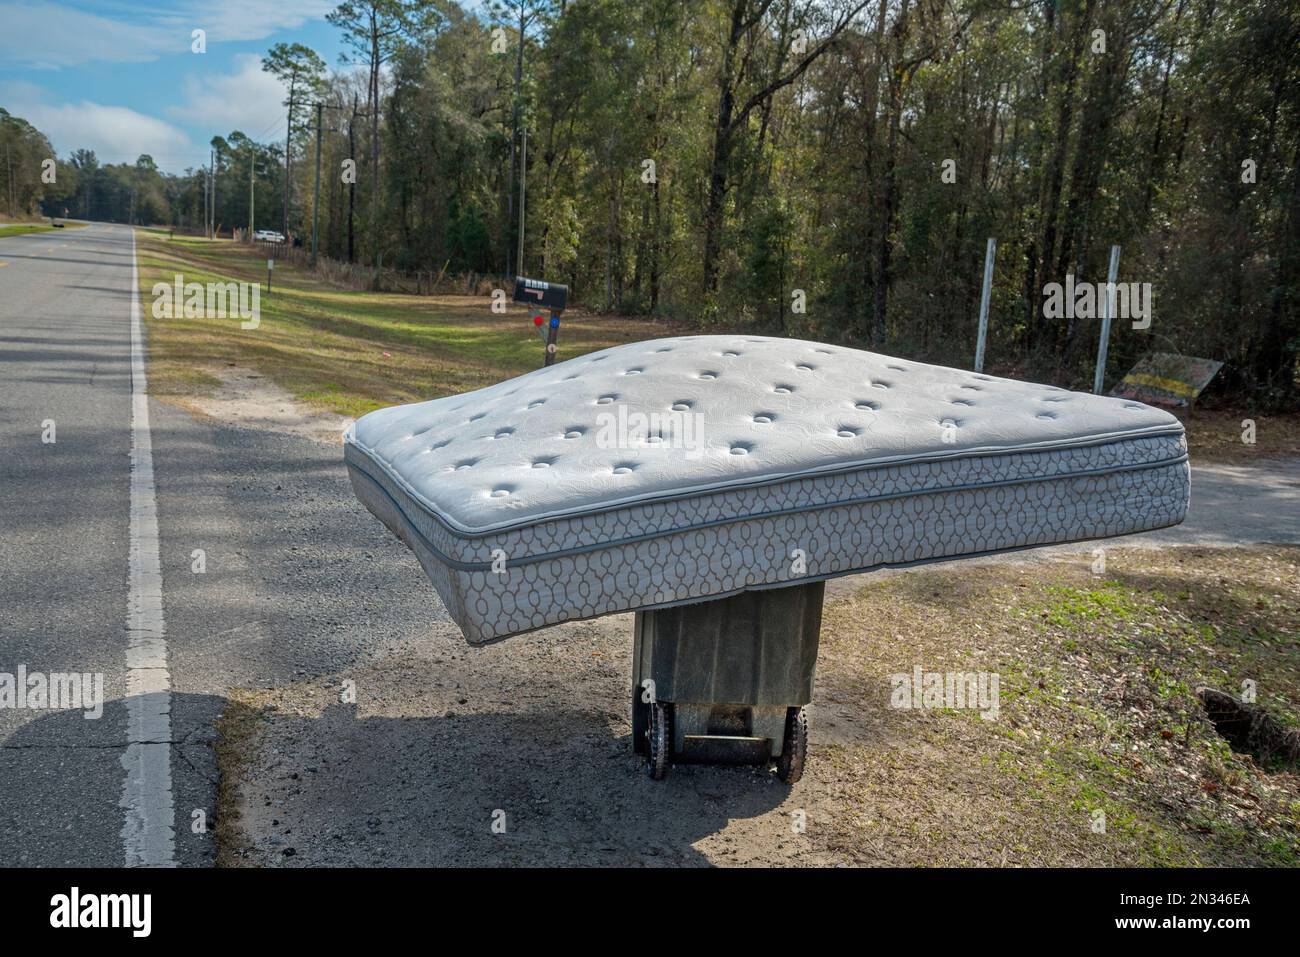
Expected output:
(535, 292)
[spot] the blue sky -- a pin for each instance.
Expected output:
(120, 78)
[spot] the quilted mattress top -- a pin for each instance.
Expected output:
(673, 417)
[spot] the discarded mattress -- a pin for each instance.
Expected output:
(677, 470)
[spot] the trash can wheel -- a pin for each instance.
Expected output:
(659, 740)
(789, 766)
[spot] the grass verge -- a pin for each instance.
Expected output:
(351, 352)
(1101, 754)
(24, 229)
(344, 351)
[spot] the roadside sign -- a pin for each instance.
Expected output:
(1168, 379)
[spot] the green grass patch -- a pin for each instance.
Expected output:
(24, 229)
(341, 350)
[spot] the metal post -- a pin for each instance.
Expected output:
(523, 180)
(315, 203)
(552, 333)
(989, 253)
(1107, 310)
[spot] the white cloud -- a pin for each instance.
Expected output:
(48, 35)
(248, 100)
(235, 95)
(117, 134)
(233, 20)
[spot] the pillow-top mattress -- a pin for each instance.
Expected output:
(678, 470)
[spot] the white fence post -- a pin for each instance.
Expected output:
(984, 304)
(1107, 313)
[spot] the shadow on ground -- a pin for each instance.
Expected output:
(62, 776)
(552, 787)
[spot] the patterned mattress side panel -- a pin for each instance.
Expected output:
(713, 561)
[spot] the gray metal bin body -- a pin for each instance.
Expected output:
(730, 669)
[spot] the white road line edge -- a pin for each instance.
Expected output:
(148, 834)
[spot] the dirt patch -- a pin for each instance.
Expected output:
(1100, 754)
(247, 398)
(1240, 438)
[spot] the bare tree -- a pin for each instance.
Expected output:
(302, 71)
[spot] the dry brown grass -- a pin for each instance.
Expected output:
(1098, 713)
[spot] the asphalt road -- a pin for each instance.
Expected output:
(298, 582)
(65, 350)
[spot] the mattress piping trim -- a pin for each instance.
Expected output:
(634, 539)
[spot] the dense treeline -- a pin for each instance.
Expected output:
(34, 181)
(22, 150)
(729, 161)
(141, 193)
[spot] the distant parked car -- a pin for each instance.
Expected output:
(269, 236)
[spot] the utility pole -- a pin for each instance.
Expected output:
(376, 257)
(212, 192)
(315, 205)
(352, 186)
(216, 154)
(514, 127)
(288, 143)
(523, 179)
(205, 203)
(251, 159)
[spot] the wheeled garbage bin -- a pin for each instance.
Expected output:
(727, 680)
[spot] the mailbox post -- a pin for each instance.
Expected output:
(553, 297)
